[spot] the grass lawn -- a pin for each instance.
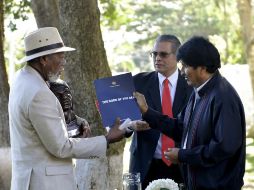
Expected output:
(249, 170)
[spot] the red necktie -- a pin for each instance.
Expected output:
(166, 142)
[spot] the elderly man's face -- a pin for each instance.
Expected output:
(54, 66)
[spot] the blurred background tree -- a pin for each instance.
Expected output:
(247, 26)
(146, 19)
(135, 24)
(4, 87)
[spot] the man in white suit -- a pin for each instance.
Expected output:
(41, 150)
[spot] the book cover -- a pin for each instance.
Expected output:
(115, 99)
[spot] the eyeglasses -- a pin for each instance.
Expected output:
(162, 54)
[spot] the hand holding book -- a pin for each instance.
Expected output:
(137, 125)
(115, 134)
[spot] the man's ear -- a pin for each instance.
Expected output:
(204, 73)
(43, 60)
(203, 69)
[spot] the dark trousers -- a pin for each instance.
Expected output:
(159, 170)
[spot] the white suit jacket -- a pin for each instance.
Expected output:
(41, 150)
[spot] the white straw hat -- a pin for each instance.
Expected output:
(43, 41)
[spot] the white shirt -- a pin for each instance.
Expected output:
(172, 86)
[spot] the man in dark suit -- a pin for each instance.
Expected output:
(212, 126)
(146, 154)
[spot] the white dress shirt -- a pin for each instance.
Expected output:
(172, 86)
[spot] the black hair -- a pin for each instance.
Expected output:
(198, 51)
(170, 38)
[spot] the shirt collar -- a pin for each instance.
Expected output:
(172, 78)
(200, 87)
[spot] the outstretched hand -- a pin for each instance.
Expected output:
(115, 134)
(137, 125)
(140, 125)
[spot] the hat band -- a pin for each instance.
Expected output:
(44, 48)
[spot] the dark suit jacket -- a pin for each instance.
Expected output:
(214, 158)
(144, 143)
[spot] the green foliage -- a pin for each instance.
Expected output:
(16, 9)
(123, 67)
(146, 19)
(13, 53)
(114, 13)
(249, 171)
(215, 19)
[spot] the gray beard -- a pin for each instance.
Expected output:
(53, 77)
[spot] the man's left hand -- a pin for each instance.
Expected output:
(85, 127)
(172, 155)
(86, 131)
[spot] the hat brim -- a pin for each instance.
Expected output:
(51, 51)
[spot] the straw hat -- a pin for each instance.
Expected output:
(43, 41)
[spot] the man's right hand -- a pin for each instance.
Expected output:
(115, 134)
(140, 125)
(141, 100)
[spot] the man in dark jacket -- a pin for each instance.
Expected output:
(146, 147)
(212, 126)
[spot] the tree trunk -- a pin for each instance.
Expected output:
(46, 12)
(5, 158)
(5, 168)
(245, 13)
(80, 28)
(4, 89)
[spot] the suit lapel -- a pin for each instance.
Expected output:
(154, 92)
(180, 95)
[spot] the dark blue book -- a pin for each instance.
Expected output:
(115, 99)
